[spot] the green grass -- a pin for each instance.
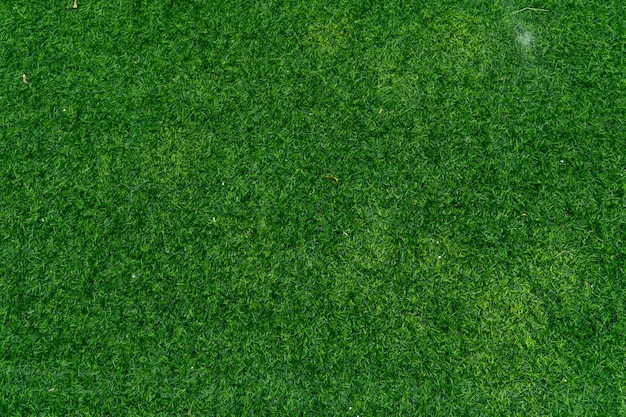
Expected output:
(172, 240)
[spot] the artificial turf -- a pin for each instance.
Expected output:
(312, 208)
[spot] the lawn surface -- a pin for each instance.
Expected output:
(312, 208)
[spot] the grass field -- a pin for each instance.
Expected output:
(313, 208)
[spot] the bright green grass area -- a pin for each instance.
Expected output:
(173, 240)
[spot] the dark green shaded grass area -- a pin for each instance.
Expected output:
(300, 208)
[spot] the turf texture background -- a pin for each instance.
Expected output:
(301, 208)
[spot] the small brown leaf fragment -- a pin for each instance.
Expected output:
(332, 178)
(24, 79)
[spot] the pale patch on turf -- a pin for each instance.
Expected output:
(330, 35)
(519, 23)
(457, 47)
(525, 39)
